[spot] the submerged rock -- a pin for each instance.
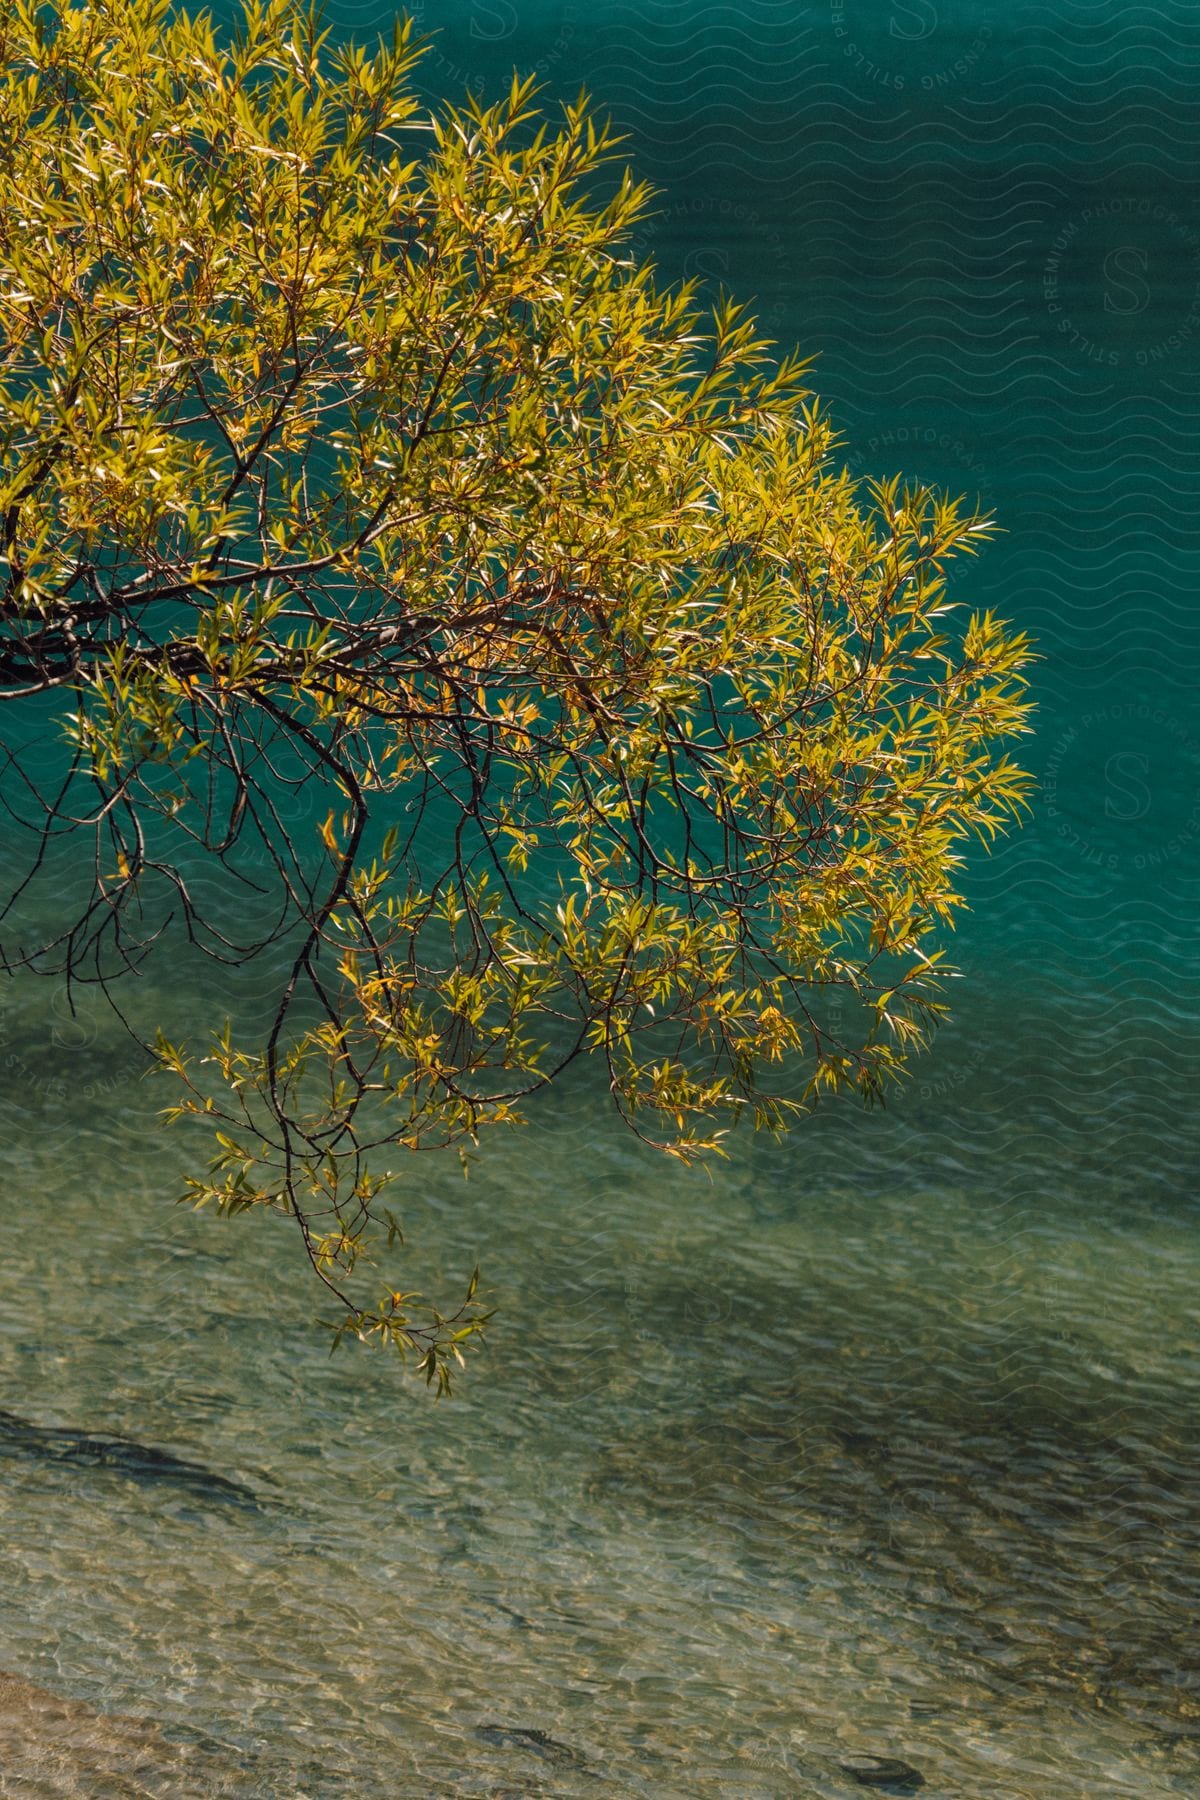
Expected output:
(522, 1737)
(141, 1462)
(884, 1772)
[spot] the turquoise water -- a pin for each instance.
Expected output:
(881, 1443)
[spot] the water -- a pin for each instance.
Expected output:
(881, 1443)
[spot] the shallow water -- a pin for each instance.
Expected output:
(884, 1443)
(881, 1443)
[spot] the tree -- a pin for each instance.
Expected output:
(380, 534)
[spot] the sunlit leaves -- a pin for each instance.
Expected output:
(346, 451)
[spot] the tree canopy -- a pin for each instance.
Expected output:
(382, 539)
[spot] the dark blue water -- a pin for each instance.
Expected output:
(882, 1443)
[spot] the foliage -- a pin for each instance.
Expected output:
(350, 458)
